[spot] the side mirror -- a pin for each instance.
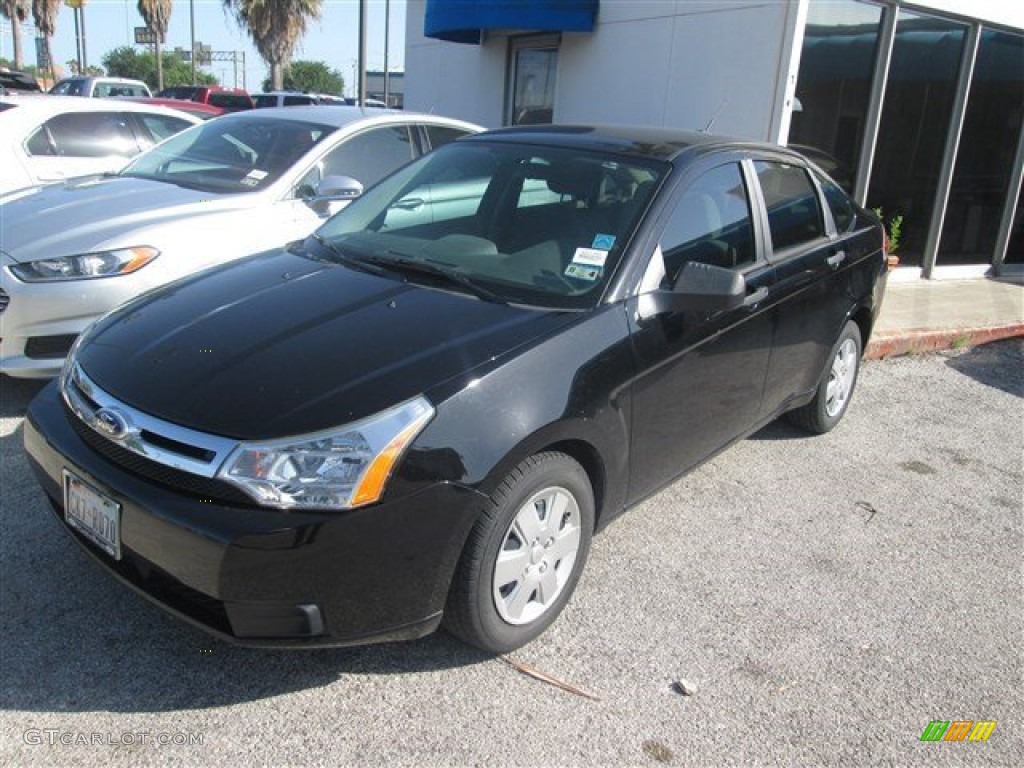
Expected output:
(702, 288)
(338, 188)
(707, 288)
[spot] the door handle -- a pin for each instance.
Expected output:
(756, 297)
(408, 203)
(836, 259)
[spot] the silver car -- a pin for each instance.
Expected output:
(233, 186)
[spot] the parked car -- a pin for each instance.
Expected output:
(194, 108)
(228, 99)
(13, 82)
(295, 99)
(424, 410)
(50, 138)
(81, 85)
(221, 190)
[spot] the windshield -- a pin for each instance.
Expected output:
(228, 155)
(529, 224)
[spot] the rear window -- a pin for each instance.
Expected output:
(229, 100)
(69, 88)
(839, 204)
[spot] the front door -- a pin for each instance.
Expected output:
(701, 374)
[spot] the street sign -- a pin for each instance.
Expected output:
(145, 36)
(42, 60)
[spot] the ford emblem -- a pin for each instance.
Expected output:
(112, 423)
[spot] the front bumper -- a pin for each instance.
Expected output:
(266, 577)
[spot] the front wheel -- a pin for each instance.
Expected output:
(524, 556)
(836, 386)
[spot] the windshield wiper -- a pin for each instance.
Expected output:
(400, 263)
(350, 259)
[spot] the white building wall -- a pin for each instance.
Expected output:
(453, 79)
(678, 63)
(682, 64)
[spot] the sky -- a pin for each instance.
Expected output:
(333, 39)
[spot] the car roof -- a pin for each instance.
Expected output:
(105, 78)
(628, 140)
(182, 105)
(341, 115)
(49, 104)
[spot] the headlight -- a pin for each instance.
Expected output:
(343, 468)
(85, 266)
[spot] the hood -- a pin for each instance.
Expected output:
(92, 212)
(280, 345)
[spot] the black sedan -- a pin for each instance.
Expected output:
(423, 412)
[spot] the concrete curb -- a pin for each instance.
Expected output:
(896, 343)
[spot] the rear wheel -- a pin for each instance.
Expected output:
(836, 387)
(524, 557)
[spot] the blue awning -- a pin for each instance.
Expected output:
(463, 21)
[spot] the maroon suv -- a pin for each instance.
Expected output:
(228, 99)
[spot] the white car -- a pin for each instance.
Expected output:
(50, 138)
(236, 185)
(81, 85)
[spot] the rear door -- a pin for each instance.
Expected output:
(809, 259)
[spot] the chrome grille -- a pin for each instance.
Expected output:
(145, 445)
(4, 299)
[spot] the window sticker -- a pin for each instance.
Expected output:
(583, 272)
(603, 242)
(253, 177)
(590, 257)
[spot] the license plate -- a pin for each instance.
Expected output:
(93, 514)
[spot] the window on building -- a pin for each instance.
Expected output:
(833, 87)
(916, 117)
(985, 158)
(534, 67)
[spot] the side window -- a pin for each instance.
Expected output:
(794, 215)
(710, 224)
(839, 204)
(439, 135)
(368, 157)
(291, 101)
(159, 127)
(92, 134)
(39, 145)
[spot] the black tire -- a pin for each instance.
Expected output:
(827, 408)
(551, 481)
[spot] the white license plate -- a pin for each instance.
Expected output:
(93, 514)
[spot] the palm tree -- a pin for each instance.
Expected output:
(17, 12)
(44, 12)
(275, 26)
(157, 15)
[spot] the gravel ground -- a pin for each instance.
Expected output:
(823, 598)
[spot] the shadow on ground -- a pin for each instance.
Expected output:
(999, 365)
(16, 394)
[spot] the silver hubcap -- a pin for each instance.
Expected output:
(841, 378)
(537, 555)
